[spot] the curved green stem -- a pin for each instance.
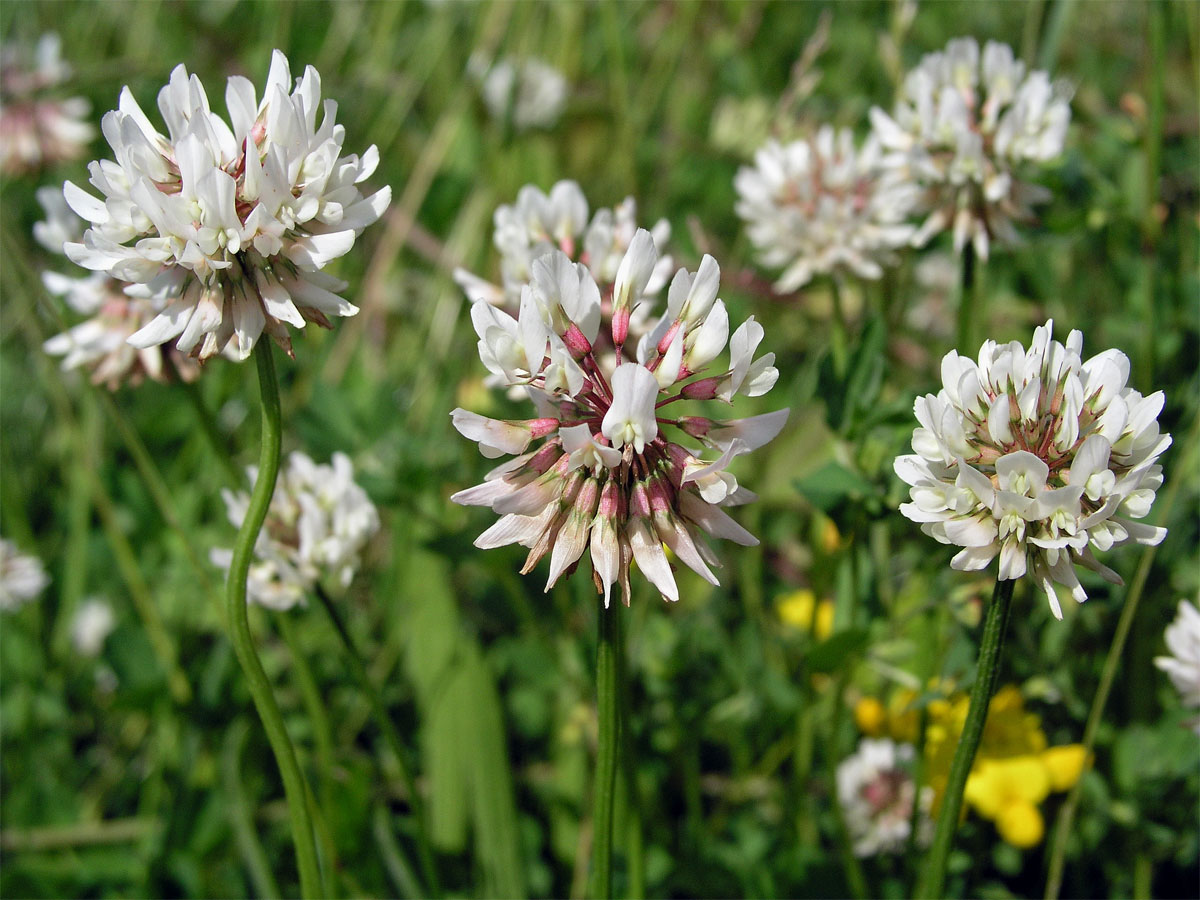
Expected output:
(608, 707)
(239, 623)
(359, 670)
(986, 675)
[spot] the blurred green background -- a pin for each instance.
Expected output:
(145, 771)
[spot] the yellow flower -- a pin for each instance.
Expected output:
(1065, 764)
(1007, 791)
(870, 716)
(1014, 770)
(1021, 825)
(800, 610)
(831, 538)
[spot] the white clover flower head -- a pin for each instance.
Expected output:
(36, 128)
(604, 472)
(228, 225)
(876, 790)
(317, 525)
(965, 124)
(530, 91)
(1182, 664)
(22, 577)
(91, 625)
(114, 310)
(822, 206)
(538, 224)
(1037, 457)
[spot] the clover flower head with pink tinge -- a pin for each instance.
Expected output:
(876, 789)
(598, 467)
(823, 206)
(38, 129)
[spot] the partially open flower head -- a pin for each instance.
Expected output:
(114, 310)
(228, 225)
(605, 465)
(317, 525)
(1182, 664)
(38, 129)
(22, 577)
(821, 206)
(539, 223)
(876, 791)
(965, 123)
(1036, 457)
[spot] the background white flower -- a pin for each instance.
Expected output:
(1182, 665)
(317, 525)
(876, 791)
(37, 129)
(229, 224)
(530, 90)
(965, 124)
(821, 205)
(539, 223)
(1036, 457)
(22, 577)
(91, 625)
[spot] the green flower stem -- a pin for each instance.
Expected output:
(359, 670)
(608, 703)
(634, 849)
(838, 338)
(968, 299)
(239, 623)
(986, 675)
(1066, 813)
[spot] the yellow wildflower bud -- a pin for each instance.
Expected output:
(796, 608)
(831, 538)
(1021, 825)
(1065, 764)
(800, 610)
(869, 715)
(824, 624)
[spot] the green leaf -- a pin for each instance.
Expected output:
(832, 652)
(833, 485)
